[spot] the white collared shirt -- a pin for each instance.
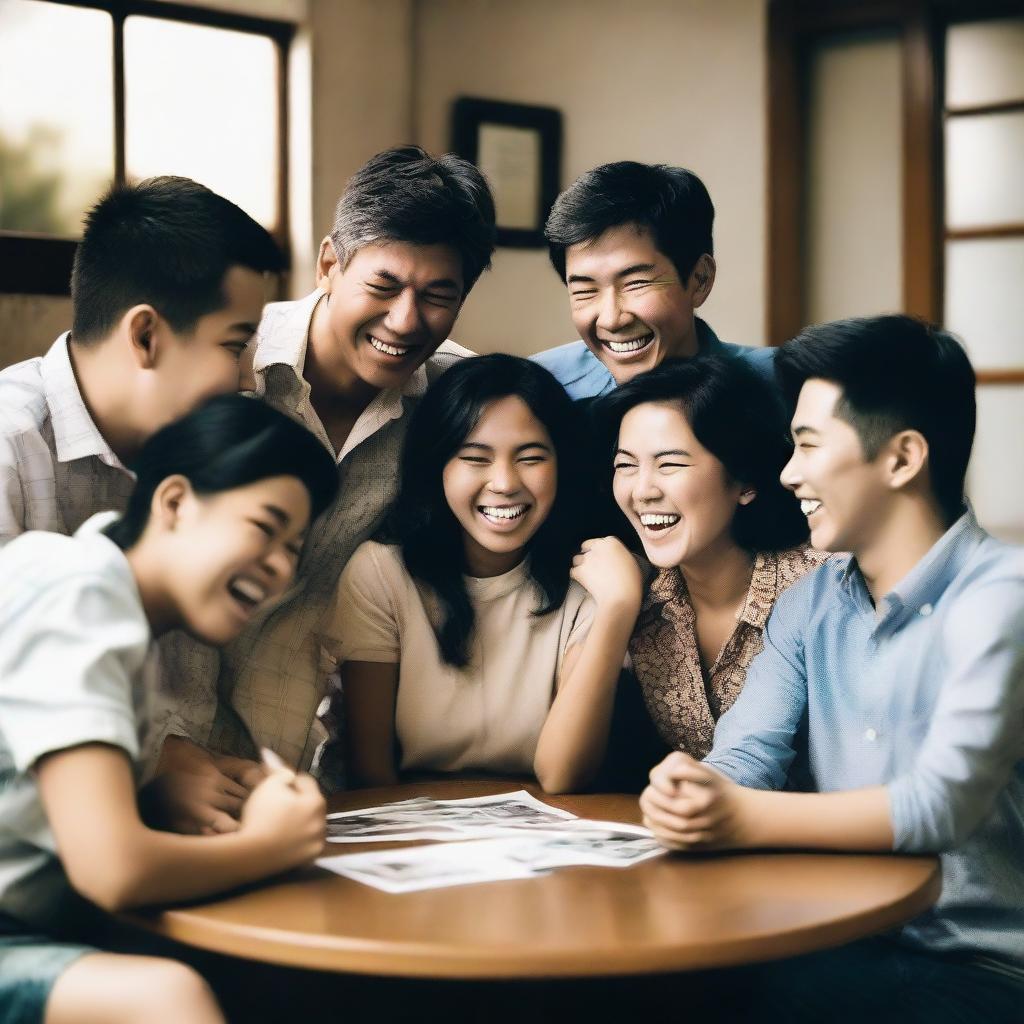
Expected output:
(56, 470)
(75, 667)
(270, 681)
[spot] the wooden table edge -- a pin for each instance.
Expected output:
(426, 960)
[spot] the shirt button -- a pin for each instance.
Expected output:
(870, 735)
(925, 609)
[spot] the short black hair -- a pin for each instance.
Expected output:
(671, 202)
(406, 195)
(167, 242)
(737, 416)
(227, 442)
(895, 373)
(422, 523)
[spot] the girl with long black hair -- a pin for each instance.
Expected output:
(475, 633)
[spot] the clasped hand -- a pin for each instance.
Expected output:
(689, 806)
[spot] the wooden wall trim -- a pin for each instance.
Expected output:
(785, 169)
(922, 164)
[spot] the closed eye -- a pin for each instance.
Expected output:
(474, 460)
(267, 528)
(624, 465)
(674, 465)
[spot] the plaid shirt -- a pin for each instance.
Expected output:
(268, 684)
(56, 470)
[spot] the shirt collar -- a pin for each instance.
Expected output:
(669, 589)
(600, 380)
(75, 434)
(707, 341)
(926, 582)
(283, 334)
(281, 342)
(922, 587)
(764, 589)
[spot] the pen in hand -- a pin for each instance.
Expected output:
(273, 763)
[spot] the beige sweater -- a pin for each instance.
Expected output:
(486, 716)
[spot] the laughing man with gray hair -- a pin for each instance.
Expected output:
(411, 235)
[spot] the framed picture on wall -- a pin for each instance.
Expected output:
(518, 148)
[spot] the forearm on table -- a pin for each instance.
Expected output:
(575, 734)
(148, 867)
(857, 819)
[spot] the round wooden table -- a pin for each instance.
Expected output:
(672, 913)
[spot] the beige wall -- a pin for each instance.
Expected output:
(674, 81)
(679, 81)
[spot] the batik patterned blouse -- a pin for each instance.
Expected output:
(683, 702)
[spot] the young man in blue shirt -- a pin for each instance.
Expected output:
(632, 242)
(892, 679)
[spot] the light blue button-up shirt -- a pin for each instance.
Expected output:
(583, 375)
(924, 695)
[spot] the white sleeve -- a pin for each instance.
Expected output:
(69, 654)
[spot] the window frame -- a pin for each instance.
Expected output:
(37, 264)
(793, 27)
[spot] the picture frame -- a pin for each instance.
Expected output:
(518, 148)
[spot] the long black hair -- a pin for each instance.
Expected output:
(740, 419)
(424, 526)
(227, 442)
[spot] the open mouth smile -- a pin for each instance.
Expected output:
(629, 346)
(247, 594)
(658, 522)
(809, 506)
(388, 348)
(503, 517)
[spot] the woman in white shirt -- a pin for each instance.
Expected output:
(210, 538)
(477, 634)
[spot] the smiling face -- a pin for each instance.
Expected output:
(233, 553)
(843, 495)
(385, 312)
(194, 366)
(628, 303)
(675, 493)
(500, 485)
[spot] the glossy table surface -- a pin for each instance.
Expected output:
(672, 913)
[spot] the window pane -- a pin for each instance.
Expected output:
(995, 483)
(985, 301)
(56, 114)
(985, 62)
(853, 262)
(202, 102)
(984, 170)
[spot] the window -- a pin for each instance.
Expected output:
(955, 133)
(94, 91)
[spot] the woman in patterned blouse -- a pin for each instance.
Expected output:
(698, 448)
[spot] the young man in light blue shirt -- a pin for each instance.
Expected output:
(892, 679)
(632, 242)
